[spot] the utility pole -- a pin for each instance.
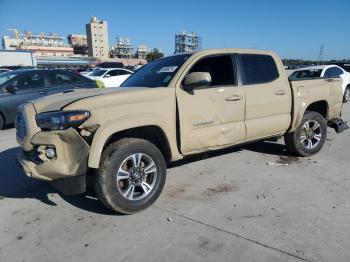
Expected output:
(320, 56)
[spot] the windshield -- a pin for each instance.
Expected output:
(98, 72)
(4, 77)
(303, 74)
(158, 73)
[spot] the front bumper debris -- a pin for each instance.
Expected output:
(338, 124)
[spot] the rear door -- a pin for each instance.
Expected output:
(213, 116)
(122, 76)
(116, 77)
(111, 78)
(268, 96)
(28, 86)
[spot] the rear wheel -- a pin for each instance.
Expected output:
(2, 122)
(131, 175)
(309, 137)
(346, 96)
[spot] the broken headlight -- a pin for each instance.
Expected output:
(60, 120)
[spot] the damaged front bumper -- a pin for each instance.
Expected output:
(70, 158)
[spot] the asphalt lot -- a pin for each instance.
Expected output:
(225, 206)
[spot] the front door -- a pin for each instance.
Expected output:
(213, 116)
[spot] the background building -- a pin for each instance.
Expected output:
(122, 49)
(142, 52)
(40, 44)
(187, 42)
(97, 38)
(12, 42)
(79, 44)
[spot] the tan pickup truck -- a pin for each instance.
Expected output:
(171, 108)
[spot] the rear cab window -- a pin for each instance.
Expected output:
(258, 69)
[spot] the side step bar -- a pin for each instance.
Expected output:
(338, 124)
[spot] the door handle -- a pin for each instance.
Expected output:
(329, 80)
(234, 98)
(280, 92)
(43, 92)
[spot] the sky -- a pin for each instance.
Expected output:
(292, 28)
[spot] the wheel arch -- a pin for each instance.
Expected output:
(319, 106)
(152, 133)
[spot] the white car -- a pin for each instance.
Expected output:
(111, 77)
(89, 71)
(325, 71)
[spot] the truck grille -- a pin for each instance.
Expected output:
(21, 129)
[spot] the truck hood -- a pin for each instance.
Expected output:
(60, 100)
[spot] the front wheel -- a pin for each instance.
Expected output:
(131, 175)
(346, 96)
(309, 137)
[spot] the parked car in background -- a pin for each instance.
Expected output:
(110, 65)
(88, 71)
(81, 69)
(3, 70)
(130, 67)
(110, 77)
(344, 65)
(19, 86)
(326, 71)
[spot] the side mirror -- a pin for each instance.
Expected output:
(197, 80)
(11, 89)
(107, 75)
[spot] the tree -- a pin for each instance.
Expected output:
(154, 54)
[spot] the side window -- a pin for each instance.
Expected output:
(29, 81)
(337, 72)
(328, 73)
(113, 73)
(219, 67)
(123, 72)
(258, 69)
(61, 78)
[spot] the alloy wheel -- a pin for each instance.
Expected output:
(311, 134)
(136, 176)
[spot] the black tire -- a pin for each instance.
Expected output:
(293, 140)
(109, 190)
(2, 122)
(346, 96)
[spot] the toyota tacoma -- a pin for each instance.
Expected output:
(171, 108)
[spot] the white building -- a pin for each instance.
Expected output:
(9, 43)
(97, 38)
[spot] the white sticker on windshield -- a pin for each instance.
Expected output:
(167, 69)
